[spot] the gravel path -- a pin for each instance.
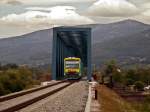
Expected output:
(71, 99)
(21, 99)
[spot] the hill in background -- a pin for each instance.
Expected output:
(127, 41)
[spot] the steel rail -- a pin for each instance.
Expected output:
(11, 96)
(33, 100)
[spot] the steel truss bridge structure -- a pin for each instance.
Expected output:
(70, 42)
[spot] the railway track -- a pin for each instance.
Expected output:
(21, 100)
(17, 94)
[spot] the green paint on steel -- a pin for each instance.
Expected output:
(70, 42)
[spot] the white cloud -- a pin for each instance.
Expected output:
(146, 13)
(37, 18)
(144, 17)
(139, 2)
(11, 2)
(111, 8)
(59, 15)
(146, 6)
(45, 2)
(39, 8)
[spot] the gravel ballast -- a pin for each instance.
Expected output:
(71, 99)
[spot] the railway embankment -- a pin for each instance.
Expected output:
(71, 99)
(110, 101)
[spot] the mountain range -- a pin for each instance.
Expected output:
(126, 41)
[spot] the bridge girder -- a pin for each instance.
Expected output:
(70, 42)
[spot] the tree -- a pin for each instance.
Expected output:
(2, 90)
(118, 77)
(111, 69)
(10, 66)
(15, 79)
(139, 85)
(0, 66)
(132, 76)
(129, 81)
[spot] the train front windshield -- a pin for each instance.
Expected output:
(72, 64)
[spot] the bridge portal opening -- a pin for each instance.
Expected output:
(71, 42)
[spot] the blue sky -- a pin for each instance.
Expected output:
(18, 17)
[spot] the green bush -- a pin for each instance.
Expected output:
(139, 85)
(118, 77)
(129, 82)
(2, 90)
(15, 79)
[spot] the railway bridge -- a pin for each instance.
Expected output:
(71, 42)
(67, 42)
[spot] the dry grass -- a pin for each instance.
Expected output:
(143, 106)
(111, 102)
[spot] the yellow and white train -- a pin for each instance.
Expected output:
(72, 67)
